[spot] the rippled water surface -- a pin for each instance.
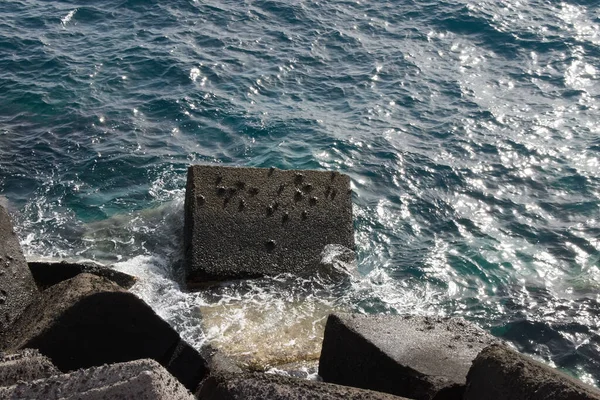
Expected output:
(470, 131)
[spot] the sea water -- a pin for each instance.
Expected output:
(470, 130)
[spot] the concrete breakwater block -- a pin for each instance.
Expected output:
(48, 274)
(415, 357)
(89, 321)
(499, 373)
(257, 386)
(251, 222)
(140, 380)
(24, 365)
(17, 287)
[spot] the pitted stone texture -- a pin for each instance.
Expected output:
(416, 357)
(250, 222)
(24, 365)
(89, 321)
(17, 287)
(136, 380)
(499, 373)
(259, 386)
(47, 274)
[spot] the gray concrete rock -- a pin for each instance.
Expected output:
(89, 321)
(416, 357)
(48, 274)
(499, 373)
(24, 365)
(17, 287)
(251, 222)
(136, 380)
(276, 387)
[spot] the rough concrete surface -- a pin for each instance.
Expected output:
(499, 373)
(139, 380)
(89, 321)
(276, 387)
(24, 365)
(17, 287)
(416, 357)
(250, 222)
(48, 274)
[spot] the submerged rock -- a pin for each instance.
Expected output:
(299, 369)
(259, 336)
(140, 380)
(250, 222)
(417, 357)
(272, 321)
(17, 287)
(502, 374)
(89, 321)
(48, 274)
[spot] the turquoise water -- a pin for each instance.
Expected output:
(470, 131)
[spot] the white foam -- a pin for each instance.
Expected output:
(67, 18)
(158, 289)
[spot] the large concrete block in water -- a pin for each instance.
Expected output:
(499, 373)
(17, 287)
(250, 222)
(136, 380)
(258, 386)
(24, 365)
(417, 357)
(89, 321)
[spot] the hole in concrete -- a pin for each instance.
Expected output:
(270, 245)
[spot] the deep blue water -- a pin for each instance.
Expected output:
(471, 132)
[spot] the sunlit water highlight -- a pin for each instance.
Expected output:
(469, 129)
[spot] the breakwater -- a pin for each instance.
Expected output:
(82, 331)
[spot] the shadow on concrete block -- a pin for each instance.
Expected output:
(250, 222)
(417, 357)
(257, 386)
(48, 274)
(499, 373)
(89, 321)
(140, 380)
(17, 287)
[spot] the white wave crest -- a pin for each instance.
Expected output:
(67, 18)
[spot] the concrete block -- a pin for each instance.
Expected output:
(89, 321)
(251, 222)
(416, 357)
(17, 287)
(24, 365)
(499, 373)
(48, 274)
(258, 386)
(136, 380)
